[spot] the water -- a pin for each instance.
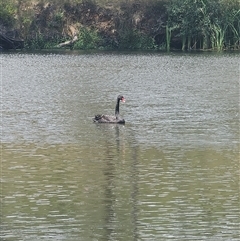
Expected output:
(171, 173)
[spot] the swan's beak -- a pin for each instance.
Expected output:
(123, 100)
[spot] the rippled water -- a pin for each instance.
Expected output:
(171, 173)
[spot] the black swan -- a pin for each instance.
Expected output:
(111, 119)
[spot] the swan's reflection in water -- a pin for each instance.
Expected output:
(115, 153)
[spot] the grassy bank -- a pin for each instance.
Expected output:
(104, 24)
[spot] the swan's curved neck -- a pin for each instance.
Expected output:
(117, 108)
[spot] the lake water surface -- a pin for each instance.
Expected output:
(170, 173)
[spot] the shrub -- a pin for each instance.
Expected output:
(7, 12)
(42, 42)
(87, 39)
(133, 39)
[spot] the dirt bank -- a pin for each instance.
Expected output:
(111, 21)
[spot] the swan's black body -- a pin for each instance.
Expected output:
(111, 119)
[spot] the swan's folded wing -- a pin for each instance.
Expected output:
(104, 119)
(108, 118)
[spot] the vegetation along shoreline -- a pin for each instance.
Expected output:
(121, 25)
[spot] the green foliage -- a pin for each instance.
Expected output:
(58, 18)
(206, 23)
(7, 12)
(231, 16)
(88, 39)
(41, 42)
(37, 43)
(133, 39)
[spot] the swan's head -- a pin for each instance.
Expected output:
(121, 98)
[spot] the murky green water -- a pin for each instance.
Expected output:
(171, 173)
